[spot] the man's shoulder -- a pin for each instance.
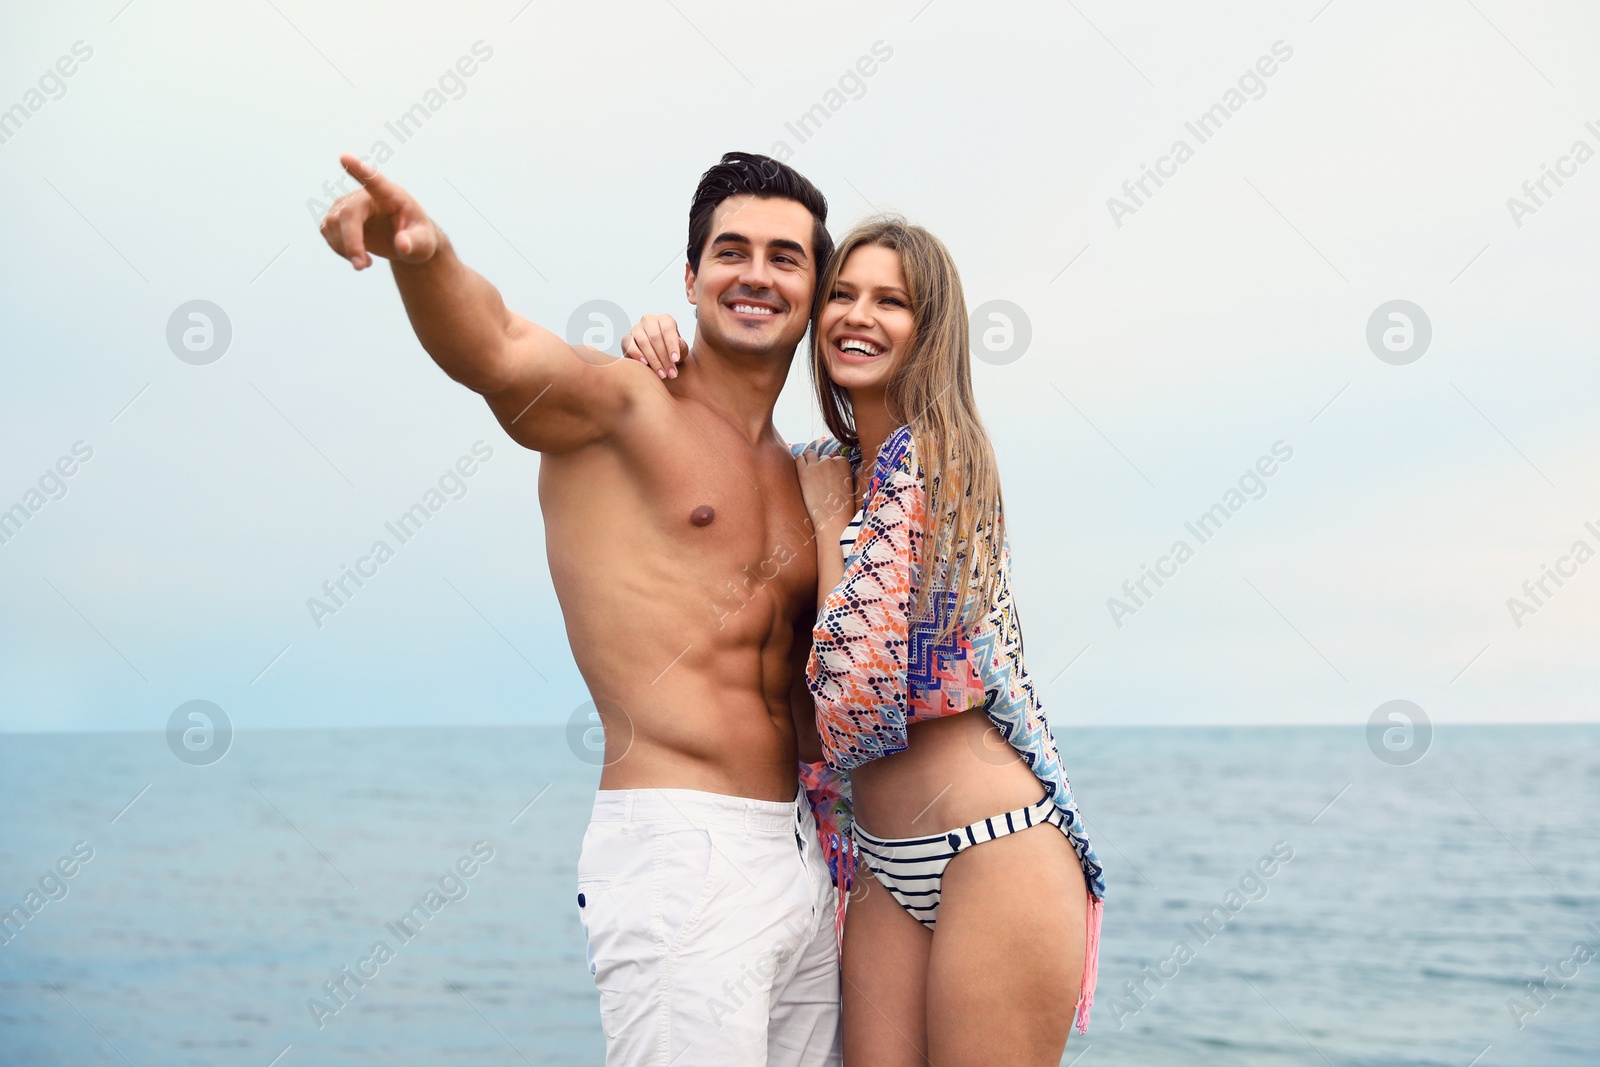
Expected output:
(643, 389)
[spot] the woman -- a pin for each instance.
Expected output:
(973, 930)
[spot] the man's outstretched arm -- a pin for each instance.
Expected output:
(546, 394)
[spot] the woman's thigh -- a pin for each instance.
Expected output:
(884, 980)
(1007, 955)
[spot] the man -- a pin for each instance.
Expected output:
(679, 547)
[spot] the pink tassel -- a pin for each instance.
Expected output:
(1091, 964)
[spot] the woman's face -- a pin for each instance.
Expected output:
(866, 323)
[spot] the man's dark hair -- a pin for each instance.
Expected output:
(749, 174)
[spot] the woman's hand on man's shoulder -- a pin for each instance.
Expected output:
(828, 485)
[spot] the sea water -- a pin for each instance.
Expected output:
(1421, 914)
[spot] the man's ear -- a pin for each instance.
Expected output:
(688, 283)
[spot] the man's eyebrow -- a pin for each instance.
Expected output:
(730, 238)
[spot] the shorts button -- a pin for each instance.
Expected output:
(581, 901)
(955, 841)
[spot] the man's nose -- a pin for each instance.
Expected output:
(757, 273)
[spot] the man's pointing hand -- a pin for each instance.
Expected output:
(379, 219)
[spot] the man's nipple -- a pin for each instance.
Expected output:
(702, 515)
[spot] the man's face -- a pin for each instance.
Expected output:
(752, 293)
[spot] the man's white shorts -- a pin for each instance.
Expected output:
(710, 923)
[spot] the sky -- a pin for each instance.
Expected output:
(1360, 161)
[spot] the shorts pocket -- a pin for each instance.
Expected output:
(615, 974)
(591, 902)
(689, 869)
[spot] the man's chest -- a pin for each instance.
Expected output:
(739, 519)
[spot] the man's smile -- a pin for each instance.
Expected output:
(752, 308)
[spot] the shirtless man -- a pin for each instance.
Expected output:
(679, 547)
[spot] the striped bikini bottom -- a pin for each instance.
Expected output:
(911, 869)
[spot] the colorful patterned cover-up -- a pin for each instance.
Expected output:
(874, 670)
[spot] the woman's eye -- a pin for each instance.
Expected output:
(892, 300)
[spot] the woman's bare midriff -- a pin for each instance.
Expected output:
(956, 770)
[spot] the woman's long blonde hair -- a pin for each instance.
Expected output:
(931, 391)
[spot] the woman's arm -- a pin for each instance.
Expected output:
(860, 670)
